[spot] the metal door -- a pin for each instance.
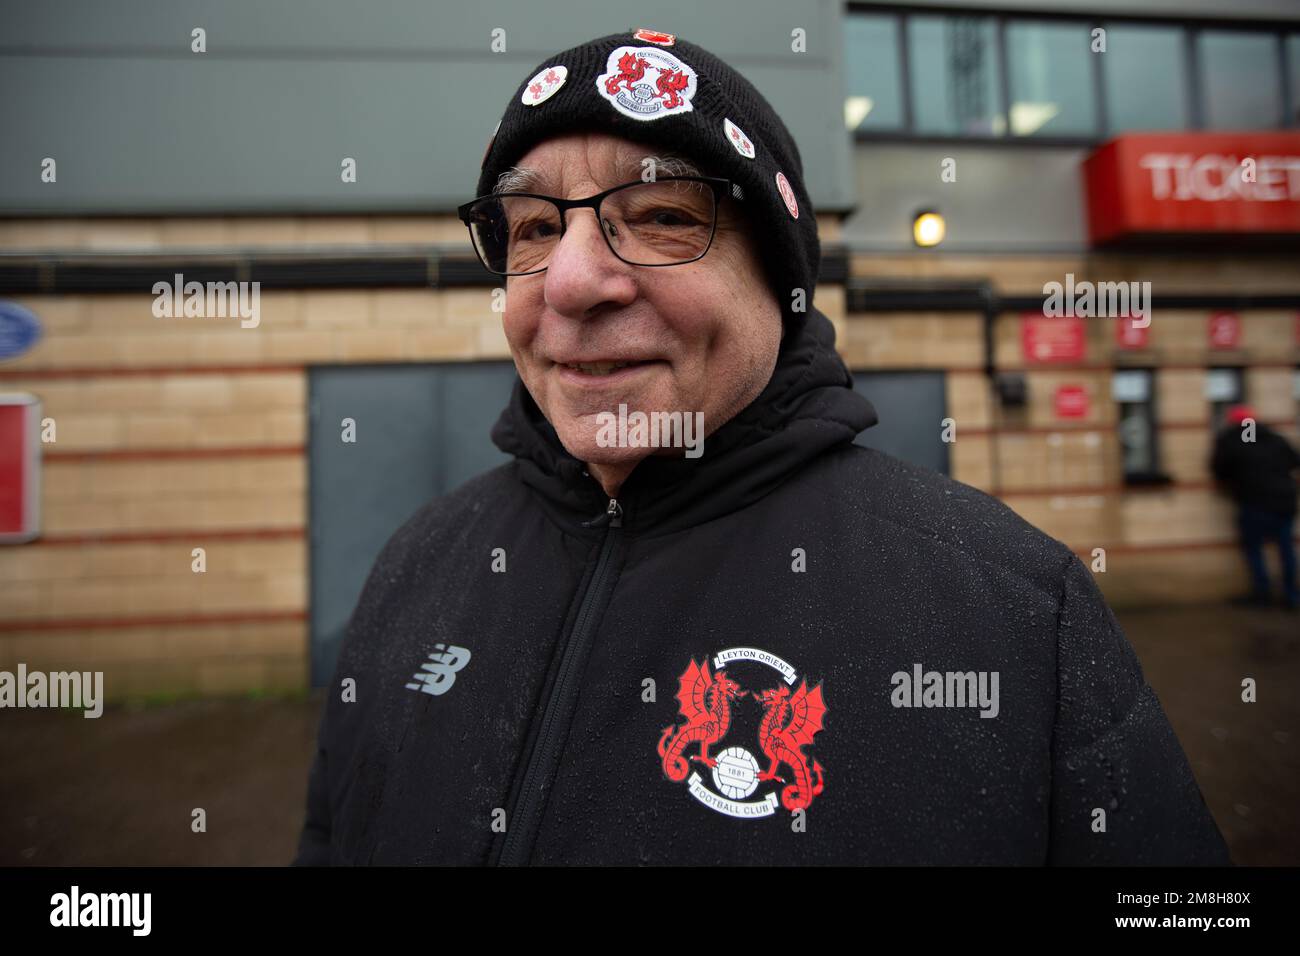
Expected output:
(420, 431)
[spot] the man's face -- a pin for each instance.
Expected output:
(704, 335)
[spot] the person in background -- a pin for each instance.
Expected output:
(1256, 464)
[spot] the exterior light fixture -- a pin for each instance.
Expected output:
(928, 228)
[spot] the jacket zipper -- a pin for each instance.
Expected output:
(526, 817)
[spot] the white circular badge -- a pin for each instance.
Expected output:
(543, 86)
(737, 138)
(787, 193)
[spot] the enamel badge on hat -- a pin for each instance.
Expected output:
(654, 36)
(544, 85)
(646, 83)
(787, 193)
(737, 138)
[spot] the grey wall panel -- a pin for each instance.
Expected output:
(1021, 199)
(816, 121)
(231, 136)
(260, 123)
(730, 27)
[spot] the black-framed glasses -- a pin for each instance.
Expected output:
(667, 222)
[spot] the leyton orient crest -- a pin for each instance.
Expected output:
(647, 83)
(710, 745)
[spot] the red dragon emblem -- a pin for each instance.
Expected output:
(631, 68)
(706, 704)
(669, 84)
(789, 724)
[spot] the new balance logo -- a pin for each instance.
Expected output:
(439, 671)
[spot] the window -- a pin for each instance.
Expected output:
(1293, 77)
(1131, 390)
(1051, 79)
(1224, 387)
(875, 94)
(1239, 78)
(956, 76)
(1145, 78)
(986, 76)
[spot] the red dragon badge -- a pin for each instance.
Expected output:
(788, 725)
(631, 70)
(647, 82)
(706, 704)
(669, 84)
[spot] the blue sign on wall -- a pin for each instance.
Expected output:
(19, 330)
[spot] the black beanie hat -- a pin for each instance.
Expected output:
(658, 89)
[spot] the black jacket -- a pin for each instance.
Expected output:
(1257, 473)
(619, 692)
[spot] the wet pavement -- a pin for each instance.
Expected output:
(122, 789)
(1246, 756)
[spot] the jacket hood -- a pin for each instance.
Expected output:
(807, 407)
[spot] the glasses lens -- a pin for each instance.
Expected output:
(652, 224)
(514, 234)
(660, 223)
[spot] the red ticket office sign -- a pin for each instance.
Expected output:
(1167, 185)
(20, 467)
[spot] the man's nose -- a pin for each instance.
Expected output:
(583, 271)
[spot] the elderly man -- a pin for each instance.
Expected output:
(774, 647)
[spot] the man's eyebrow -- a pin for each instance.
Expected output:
(670, 164)
(518, 179)
(526, 179)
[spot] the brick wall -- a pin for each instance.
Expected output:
(1175, 543)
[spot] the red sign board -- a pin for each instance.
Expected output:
(1167, 184)
(1131, 336)
(20, 462)
(1055, 339)
(1071, 401)
(1225, 330)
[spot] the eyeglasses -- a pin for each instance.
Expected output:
(667, 222)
